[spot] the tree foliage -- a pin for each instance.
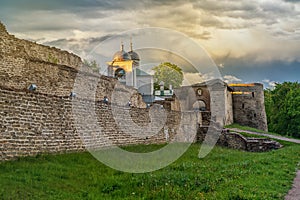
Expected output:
(169, 73)
(283, 108)
(92, 65)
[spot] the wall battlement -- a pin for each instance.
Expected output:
(12, 47)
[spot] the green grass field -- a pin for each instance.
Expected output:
(247, 128)
(223, 174)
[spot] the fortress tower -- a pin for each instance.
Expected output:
(248, 105)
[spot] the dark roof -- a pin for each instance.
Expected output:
(121, 56)
(148, 98)
(134, 56)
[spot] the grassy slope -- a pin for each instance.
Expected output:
(223, 174)
(247, 128)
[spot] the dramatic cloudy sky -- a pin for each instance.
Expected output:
(256, 40)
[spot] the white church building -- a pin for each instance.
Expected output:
(125, 66)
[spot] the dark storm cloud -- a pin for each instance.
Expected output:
(252, 12)
(252, 71)
(43, 27)
(100, 39)
(71, 5)
(62, 5)
(294, 1)
(76, 24)
(78, 46)
(223, 6)
(166, 13)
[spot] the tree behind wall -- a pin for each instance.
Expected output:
(92, 65)
(283, 108)
(169, 73)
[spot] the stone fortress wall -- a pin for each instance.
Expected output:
(24, 63)
(32, 123)
(53, 71)
(237, 141)
(44, 121)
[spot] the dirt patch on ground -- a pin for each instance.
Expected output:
(294, 193)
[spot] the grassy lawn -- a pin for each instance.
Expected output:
(251, 135)
(247, 128)
(223, 174)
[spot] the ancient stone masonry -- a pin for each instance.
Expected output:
(248, 105)
(237, 141)
(43, 120)
(51, 120)
(3, 29)
(24, 63)
(27, 50)
(32, 123)
(53, 71)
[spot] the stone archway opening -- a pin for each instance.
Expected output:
(200, 105)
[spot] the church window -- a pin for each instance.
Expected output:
(120, 74)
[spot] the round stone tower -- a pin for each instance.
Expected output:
(248, 105)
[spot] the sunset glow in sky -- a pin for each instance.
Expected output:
(250, 41)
